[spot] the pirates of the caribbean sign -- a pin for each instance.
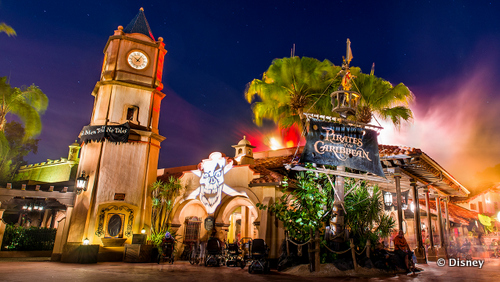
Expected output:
(113, 133)
(337, 144)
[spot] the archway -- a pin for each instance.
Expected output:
(238, 216)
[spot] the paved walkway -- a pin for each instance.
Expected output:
(41, 270)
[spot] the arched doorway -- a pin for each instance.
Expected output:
(239, 215)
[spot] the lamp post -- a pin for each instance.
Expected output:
(81, 183)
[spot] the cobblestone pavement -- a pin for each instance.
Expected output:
(41, 270)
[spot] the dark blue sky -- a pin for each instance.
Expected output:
(216, 47)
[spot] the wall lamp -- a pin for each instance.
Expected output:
(81, 183)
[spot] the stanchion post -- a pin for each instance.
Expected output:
(353, 252)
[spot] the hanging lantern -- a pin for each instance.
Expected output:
(81, 183)
(388, 199)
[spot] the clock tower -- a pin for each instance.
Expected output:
(116, 202)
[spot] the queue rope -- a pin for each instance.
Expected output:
(338, 253)
(362, 251)
(342, 252)
(299, 245)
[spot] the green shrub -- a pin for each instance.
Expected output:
(17, 238)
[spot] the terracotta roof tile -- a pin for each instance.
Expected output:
(456, 212)
(494, 189)
(266, 175)
(391, 150)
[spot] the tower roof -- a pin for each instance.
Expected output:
(244, 142)
(139, 24)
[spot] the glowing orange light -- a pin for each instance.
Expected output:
(274, 144)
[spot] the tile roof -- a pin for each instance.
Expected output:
(493, 189)
(456, 213)
(176, 172)
(391, 150)
(266, 175)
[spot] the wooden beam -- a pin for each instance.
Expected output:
(66, 199)
(341, 173)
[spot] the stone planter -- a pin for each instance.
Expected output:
(113, 242)
(139, 253)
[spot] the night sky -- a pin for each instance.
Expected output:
(446, 52)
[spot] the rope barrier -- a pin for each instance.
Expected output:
(299, 246)
(364, 249)
(345, 251)
(339, 253)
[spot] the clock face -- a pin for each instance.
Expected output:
(138, 60)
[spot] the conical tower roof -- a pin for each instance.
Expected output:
(139, 24)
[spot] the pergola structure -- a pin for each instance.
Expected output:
(53, 197)
(407, 169)
(413, 170)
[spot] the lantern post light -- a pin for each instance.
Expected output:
(143, 231)
(86, 241)
(81, 183)
(388, 199)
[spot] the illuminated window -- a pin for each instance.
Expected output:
(473, 207)
(495, 205)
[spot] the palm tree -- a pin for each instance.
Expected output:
(365, 215)
(291, 86)
(27, 103)
(380, 98)
(7, 29)
(163, 195)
